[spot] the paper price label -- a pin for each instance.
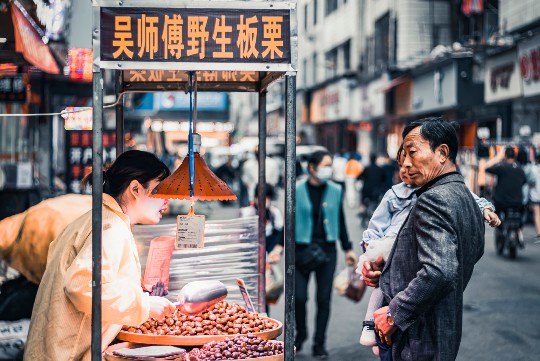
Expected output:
(190, 232)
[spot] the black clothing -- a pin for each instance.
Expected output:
(324, 276)
(315, 197)
(390, 170)
(510, 180)
(374, 178)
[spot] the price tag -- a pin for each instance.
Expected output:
(190, 232)
(245, 295)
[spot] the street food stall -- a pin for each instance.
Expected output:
(199, 46)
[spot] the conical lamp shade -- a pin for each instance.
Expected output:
(207, 186)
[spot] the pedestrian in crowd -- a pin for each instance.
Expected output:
(274, 218)
(227, 173)
(374, 180)
(511, 178)
(434, 254)
(390, 168)
(250, 173)
(320, 223)
(339, 164)
(353, 169)
(60, 327)
(378, 239)
(534, 194)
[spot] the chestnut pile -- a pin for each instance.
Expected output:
(221, 319)
(237, 348)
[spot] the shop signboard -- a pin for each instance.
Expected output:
(173, 101)
(253, 37)
(13, 89)
(435, 89)
(77, 118)
(79, 155)
(502, 78)
(529, 65)
(331, 103)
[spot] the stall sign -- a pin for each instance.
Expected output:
(78, 118)
(529, 64)
(170, 76)
(13, 89)
(195, 35)
(502, 80)
(80, 64)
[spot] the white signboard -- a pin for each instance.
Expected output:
(502, 78)
(331, 103)
(529, 64)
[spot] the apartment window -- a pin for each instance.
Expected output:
(306, 8)
(331, 6)
(347, 55)
(315, 11)
(305, 73)
(382, 41)
(314, 69)
(331, 60)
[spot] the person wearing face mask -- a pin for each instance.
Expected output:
(60, 324)
(319, 220)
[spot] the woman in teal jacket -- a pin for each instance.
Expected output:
(320, 219)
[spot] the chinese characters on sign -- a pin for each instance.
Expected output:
(195, 35)
(141, 76)
(79, 155)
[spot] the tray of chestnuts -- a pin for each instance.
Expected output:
(217, 323)
(244, 347)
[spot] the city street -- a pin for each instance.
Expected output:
(501, 312)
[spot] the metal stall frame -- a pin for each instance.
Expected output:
(267, 73)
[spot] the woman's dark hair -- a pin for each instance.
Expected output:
(316, 157)
(129, 166)
(437, 131)
(522, 156)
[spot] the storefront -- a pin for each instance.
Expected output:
(329, 113)
(527, 109)
(448, 88)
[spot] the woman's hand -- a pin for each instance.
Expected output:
(275, 255)
(160, 307)
(350, 258)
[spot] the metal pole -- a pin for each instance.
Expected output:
(261, 203)
(290, 213)
(97, 197)
(119, 114)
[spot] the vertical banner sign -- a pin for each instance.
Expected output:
(195, 35)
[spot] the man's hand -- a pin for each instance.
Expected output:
(371, 271)
(350, 258)
(491, 217)
(160, 307)
(382, 327)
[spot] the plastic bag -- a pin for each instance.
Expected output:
(341, 281)
(274, 283)
(348, 283)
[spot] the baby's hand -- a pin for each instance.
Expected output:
(491, 218)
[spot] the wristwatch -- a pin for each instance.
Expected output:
(389, 319)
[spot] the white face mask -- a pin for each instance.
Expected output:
(324, 174)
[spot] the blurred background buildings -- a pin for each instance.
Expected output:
(366, 68)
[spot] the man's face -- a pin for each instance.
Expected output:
(421, 163)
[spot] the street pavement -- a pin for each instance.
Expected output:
(501, 305)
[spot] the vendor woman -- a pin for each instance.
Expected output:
(61, 318)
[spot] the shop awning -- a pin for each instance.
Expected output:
(29, 43)
(395, 82)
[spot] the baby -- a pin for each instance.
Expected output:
(383, 228)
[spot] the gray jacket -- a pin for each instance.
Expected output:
(429, 267)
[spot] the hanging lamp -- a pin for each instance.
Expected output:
(193, 180)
